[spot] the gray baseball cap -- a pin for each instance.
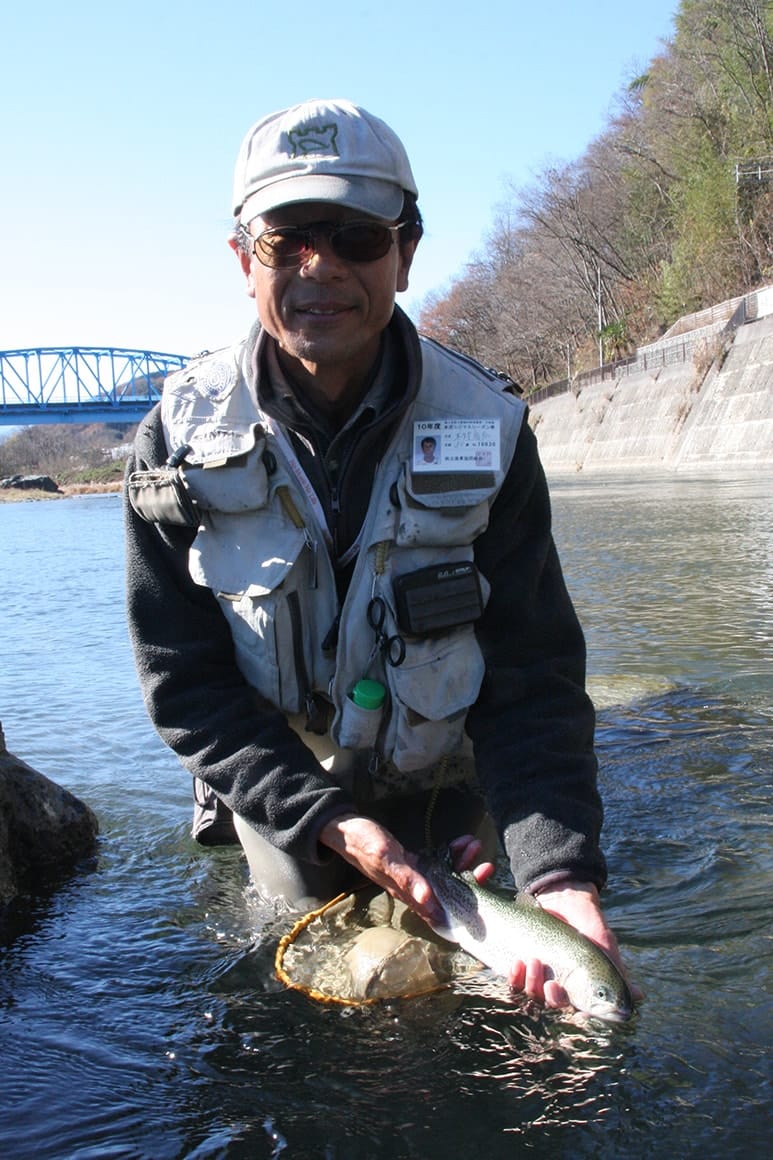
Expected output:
(322, 150)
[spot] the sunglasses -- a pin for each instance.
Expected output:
(355, 241)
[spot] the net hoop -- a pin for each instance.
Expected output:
(287, 940)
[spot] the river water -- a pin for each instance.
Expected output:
(138, 1012)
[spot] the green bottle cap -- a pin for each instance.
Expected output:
(368, 694)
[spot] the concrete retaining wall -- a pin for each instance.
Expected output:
(678, 418)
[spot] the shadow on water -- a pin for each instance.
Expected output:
(28, 911)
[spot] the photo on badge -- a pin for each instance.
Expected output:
(427, 452)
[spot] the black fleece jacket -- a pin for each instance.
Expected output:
(532, 726)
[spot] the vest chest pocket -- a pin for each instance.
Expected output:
(260, 598)
(432, 690)
(241, 484)
(441, 519)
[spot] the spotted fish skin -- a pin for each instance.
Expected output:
(500, 928)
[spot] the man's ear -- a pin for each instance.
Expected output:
(407, 250)
(245, 261)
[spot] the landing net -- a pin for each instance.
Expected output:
(363, 948)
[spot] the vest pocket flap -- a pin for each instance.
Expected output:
(229, 553)
(439, 677)
(449, 489)
(439, 519)
(239, 485)
(161, 497)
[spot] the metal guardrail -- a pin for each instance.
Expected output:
(709, 316)
(759, 169)
(669, 350)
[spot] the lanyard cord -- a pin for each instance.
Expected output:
(440, 770)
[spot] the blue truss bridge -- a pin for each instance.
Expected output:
(81, 384)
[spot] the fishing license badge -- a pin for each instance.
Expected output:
(456, 445)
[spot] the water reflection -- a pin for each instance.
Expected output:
(682, 587)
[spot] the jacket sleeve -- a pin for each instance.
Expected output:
(219, 727)
(533, 724)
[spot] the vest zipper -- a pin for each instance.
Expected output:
(296, 631)
(335, 508)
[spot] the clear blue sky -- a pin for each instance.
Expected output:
(120, 125)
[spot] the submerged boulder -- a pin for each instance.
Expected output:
(384, 963)
(44, 829)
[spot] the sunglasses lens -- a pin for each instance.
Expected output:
(361, 241)
(282, 247)
(288, 246)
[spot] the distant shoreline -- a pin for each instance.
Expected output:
(22, 494)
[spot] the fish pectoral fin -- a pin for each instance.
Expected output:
(444, 932)
(475, 927)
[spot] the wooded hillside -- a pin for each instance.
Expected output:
(669, 210)
(70, 453)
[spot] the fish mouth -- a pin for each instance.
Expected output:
(611, 1014)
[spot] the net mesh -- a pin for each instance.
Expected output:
(363, 948)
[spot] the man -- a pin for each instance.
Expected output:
(357, 656)
(428, 447)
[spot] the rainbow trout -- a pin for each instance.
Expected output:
(499, 928)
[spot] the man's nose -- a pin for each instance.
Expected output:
(323, 262)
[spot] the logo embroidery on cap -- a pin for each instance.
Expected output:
(312, 138)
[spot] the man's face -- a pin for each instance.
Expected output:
(327, 314)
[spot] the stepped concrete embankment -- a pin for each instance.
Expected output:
(711, 412)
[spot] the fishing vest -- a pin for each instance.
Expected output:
(261, 549)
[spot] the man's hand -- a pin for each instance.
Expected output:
(575, 902)
(578, 904)
(465, 855)
(380, 857)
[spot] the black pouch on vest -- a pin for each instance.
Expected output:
(212, 820)
(437, 598)
(162, 497)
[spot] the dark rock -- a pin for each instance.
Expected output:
(30, 483)
(44, 829)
